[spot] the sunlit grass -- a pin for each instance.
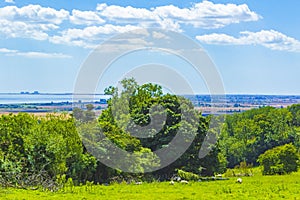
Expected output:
(256, 187)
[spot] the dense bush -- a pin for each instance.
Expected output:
(187, 175)
(48, 146)
(279, 160)
(247, 135)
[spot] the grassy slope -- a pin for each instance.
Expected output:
(257, 187)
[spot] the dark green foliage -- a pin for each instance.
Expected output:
(295, 110)
(130, 112)
(249, 134)
(53, 145)
(279, 160)
(32, 145)
(110, 90)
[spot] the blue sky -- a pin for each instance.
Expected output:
(255, 45)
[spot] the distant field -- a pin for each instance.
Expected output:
(256, 187)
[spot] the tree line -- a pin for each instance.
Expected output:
(59, 145)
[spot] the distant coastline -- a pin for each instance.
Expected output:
(64, 102)
(47, 93)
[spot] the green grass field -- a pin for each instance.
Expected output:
(256, 187)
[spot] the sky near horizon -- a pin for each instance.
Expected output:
(255, 44)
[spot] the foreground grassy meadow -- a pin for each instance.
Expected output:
(256, 187)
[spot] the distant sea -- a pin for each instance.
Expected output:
(48, 98)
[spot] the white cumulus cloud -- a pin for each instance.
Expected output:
(9, 1)
(18, 29)
(86, 28)
(90, 36)
(85, 18)
(32, 54)
(118, 19)
(268, 38)
(115, 12)
(205, 14)
(32, 21)
(33, 14)
(5, 50)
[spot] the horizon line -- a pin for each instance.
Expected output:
(71, 93)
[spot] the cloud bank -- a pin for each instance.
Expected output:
(87, 26)
(268, 38)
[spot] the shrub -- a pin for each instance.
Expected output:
(279, 160)
(243, 169)
(187, 175)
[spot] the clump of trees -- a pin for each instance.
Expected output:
(279, 160)
(35, 150)
(247, 135)
(128, 114)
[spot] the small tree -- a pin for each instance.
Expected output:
(85, 116)
(279, 160)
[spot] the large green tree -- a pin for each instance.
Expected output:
(142, 118)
